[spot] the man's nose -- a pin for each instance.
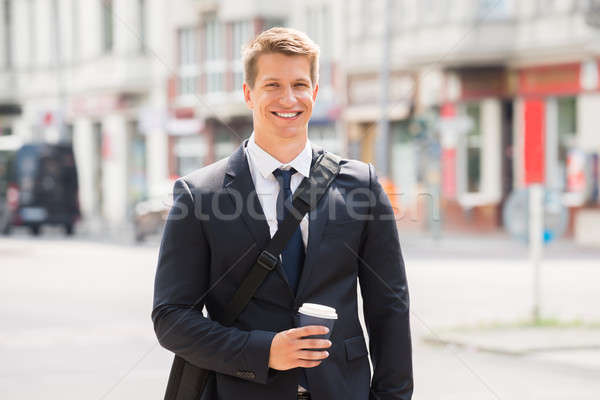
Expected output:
(287, 97)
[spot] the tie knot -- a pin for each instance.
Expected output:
(284, 176)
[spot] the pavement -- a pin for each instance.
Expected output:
(76, 323)
(577, 347)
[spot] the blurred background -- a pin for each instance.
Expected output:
(482, 118)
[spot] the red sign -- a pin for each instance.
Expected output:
(534, 141)
(550, 79)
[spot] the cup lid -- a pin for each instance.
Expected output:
(318, 310)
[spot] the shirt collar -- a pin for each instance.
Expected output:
(266, 163)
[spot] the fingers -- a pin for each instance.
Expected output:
(312, 355)
(308, 364)
(309, 331)
(313, 343)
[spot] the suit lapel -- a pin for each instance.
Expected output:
(240, 186)
(238, 183)
(316, 223)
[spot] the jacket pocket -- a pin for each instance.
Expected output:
(355, 347)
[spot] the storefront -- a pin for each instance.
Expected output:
(362, 116)
(476, 133)
(563, 100)
(188, 146)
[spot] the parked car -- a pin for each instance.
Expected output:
(149, 217)
(7, 190)
(150, 214)
(44, 178)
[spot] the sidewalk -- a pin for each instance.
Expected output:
(574, 346)
(489, 245)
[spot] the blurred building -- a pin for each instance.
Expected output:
(146, 91)
(205, 93)
(485, 96)
(92, 73)
(508, 89)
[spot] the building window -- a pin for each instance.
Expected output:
(107, 25)
(7, 11)
(5, 131)
(567, 128)
(473, 148)
(494, 9)
(241, 34)
(55, 33)
(238, 79)
(136, 165)
(225, 142)
(31, 15)
(214, 60)
(188, 62)
(214, 82)
(190, 153)
(318, 28)
(142, 25)
(242, 31)
(75, 40)
(213, 42)
(67, 130)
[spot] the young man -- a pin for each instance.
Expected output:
(223, 216)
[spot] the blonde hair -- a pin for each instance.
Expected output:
(286, 41)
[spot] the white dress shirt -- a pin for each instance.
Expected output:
(262, 165)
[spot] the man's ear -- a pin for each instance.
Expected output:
(248, 96)
(315, 92)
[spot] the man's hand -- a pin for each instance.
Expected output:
(287, 348)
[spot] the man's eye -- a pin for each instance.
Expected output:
(302, 84)
(271, 84)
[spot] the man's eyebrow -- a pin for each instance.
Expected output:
(271, 78)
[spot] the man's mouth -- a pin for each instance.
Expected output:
(287, 115)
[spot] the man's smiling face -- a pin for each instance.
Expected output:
(283, 95)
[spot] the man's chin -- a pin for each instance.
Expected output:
(289, 131)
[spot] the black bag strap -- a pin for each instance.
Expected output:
(187, 381)
(305, 198)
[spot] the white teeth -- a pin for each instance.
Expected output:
(287, 115)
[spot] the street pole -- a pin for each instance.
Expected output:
(536, 231)
(59, 72)
(382, 142)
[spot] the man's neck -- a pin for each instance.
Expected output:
(284, 150)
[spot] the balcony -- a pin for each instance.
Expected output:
(132, 73)
(7, 86)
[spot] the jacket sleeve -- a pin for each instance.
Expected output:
(180, 288)
(385, 300)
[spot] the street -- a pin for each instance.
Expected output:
(76, 319)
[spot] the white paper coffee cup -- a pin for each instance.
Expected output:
(317, 314)
(318, 310)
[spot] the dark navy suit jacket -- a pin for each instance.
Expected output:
(212, 238)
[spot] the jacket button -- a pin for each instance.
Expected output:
(246, 374)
